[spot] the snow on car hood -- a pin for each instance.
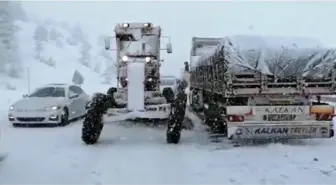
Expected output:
(38, 103)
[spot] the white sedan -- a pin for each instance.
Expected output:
(50, 104)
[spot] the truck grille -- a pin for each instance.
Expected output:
(27, 119)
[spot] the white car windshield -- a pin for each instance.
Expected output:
(49, 92)
(168, 82)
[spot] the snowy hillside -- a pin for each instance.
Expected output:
(52, 59)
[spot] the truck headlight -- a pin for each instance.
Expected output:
(52, 108)
(148, 59)
(124, 58)
(125, 25)
(147, 25)
(11, 108)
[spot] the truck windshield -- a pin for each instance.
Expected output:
(167, 82)
(144, 46)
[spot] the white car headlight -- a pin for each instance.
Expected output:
(52, 108)
(11, 108)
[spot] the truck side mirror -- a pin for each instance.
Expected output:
(107, 43)
(169, 48)
(186, 66)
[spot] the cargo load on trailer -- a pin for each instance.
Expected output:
(262, 91)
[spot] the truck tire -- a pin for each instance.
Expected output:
(111, 91)
(93, 121)
(176, 118)
(110, 100)
(173, 135)
(214, 119)
(168, 93)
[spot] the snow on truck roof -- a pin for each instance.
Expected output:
(275, 55)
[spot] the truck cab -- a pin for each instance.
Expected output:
(139, 42)
(138, 62)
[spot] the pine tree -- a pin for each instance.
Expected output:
(40, 37)
(10, 63)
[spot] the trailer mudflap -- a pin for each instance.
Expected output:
(311, 129)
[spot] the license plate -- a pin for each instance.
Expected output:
(281, 117)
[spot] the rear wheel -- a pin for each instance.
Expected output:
(214, 119)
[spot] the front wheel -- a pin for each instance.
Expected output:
(93, 121)
(91, 130)
(173, 137)
(176, 118)
(64, 117)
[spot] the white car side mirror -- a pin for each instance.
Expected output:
(169, 48)
(73, 96)
(107, 43)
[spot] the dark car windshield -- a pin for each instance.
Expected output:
(49, 92)
(168, 82)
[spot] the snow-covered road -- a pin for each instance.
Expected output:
(139, 155)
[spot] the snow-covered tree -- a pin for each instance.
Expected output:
(77, 34)
(10, 63)
(97, 67)
(3, 58)
(40, 36)
(109, 73)
(54, 34)
(85, 57)
(71, 41)
(48, 61)
(77, 78)
(17, 12)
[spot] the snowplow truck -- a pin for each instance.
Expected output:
(268, 93)
(137, 96)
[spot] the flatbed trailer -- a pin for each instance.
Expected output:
(244, 100)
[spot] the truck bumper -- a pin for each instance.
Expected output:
(256, 131)
(152, 112)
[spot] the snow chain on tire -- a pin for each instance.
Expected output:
(93, 121)
(176, 118)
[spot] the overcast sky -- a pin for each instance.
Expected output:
(182, 20)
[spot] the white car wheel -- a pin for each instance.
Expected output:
(64, 117)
